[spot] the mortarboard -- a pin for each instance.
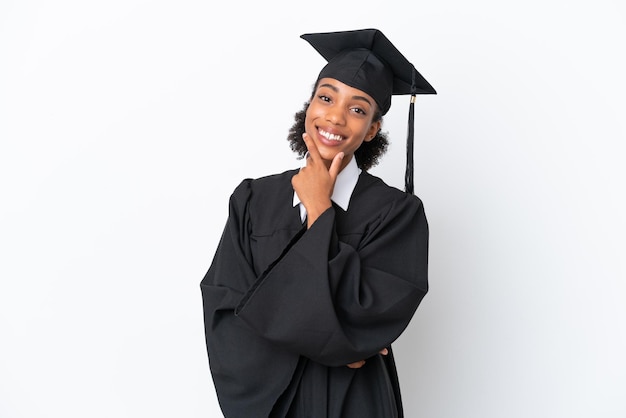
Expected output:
(366, 60)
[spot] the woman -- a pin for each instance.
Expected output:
(320, 269)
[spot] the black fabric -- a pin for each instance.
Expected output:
(287, 308)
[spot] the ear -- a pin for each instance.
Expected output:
(372, 131)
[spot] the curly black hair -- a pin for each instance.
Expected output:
(367, 155)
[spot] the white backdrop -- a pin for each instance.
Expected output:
(125, 125)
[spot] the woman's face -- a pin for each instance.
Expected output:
(339, 118)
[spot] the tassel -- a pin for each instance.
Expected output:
(408, 175)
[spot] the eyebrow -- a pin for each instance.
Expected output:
(356, 97)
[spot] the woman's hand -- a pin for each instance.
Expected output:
(359, 364)
(315, 182)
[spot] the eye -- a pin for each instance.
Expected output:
(359, 110)
(323, 98)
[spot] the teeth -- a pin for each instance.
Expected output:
(330, 136)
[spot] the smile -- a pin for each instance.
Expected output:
(329, 136)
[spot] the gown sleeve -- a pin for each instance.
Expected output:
(334, 303)
(249, 372)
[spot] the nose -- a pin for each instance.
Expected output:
(335, 115)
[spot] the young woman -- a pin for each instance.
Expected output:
(320, 269)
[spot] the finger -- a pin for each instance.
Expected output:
(356, 364)
(335, 166)
(384, 351)
(310, 145)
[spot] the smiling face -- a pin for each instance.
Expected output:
(340, 118)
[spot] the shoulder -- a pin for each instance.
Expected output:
(266, 188)
(374, 189)
(388, 210)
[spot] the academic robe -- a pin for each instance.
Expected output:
(286, 308)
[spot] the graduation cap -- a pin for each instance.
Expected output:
(366, 60)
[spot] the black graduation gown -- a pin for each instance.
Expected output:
(286, 308)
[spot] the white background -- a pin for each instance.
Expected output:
(125, 125)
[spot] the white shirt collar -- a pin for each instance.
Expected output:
(344, 186)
